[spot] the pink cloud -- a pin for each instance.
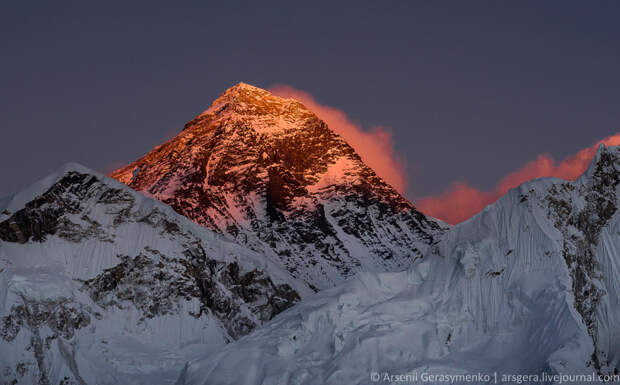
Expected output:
(374, 146)
(462, 201)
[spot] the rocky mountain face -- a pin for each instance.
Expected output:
(530, 285)
(268, 173)
(102, 285)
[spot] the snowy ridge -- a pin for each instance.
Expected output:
(270, 174)
(530, 285)
(19, 199)
(101, 285)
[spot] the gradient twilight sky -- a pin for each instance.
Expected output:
(470, 90)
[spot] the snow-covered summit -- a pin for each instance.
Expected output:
(269, 173)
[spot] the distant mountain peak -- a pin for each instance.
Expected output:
(269, 173)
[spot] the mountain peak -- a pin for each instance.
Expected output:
(259, 108)
(241, 89)
(268, 173)
(245, 86)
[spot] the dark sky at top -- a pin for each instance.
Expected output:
(470, 89)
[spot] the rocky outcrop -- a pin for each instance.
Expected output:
(155, 284)
(59, 318)
(580, 213)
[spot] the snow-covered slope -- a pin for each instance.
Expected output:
(102, 285)
(269, 173)
(530, 285)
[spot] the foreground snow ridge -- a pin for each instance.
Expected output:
(101, 285)
(528, 286)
